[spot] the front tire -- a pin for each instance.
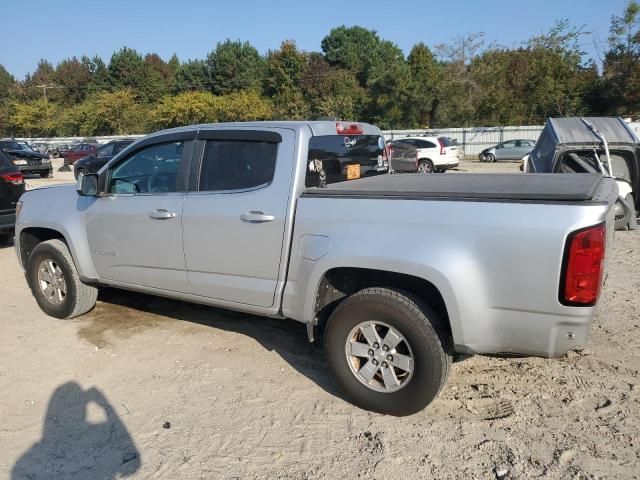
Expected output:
(491, 158)
(426, 166)
(55, 283)
(385, 353)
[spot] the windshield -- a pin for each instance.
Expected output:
(10, 145)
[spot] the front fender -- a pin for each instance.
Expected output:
(61, 210)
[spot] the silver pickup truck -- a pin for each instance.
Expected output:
(397, 273)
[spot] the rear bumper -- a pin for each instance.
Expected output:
(530, 333)
(27, 169)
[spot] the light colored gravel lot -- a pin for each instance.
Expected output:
(154, 388)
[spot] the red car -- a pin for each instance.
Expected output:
(79, 151)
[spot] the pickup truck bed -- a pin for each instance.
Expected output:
(493, 187)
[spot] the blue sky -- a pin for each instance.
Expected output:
(62, 28)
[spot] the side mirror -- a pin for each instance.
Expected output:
(87, 185)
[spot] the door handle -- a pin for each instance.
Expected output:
(161, 214)
(256, 217)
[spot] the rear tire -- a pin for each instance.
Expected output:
(393, 314)
(425, 166)
(55, 283)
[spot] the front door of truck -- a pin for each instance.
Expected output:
(135, 228)
(235, 214)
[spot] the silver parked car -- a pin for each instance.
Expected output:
(509, 150)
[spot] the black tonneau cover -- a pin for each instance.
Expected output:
(529, 187)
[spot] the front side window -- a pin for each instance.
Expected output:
(511, 144)
(237, 165)
(154, 169)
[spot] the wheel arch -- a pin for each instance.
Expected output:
(29, 237)
(337, 283)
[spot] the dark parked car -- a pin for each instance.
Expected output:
(27, 160)
(403, 157)
(79, 151)
(11, 187)
(509, 150)
(102, 155)
(604, 145)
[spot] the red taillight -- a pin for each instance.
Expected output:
(343, 128)
(443, 150)
(584, 266)
(15, 178)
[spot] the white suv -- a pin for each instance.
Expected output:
(435, 154)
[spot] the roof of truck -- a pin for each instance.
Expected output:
(317, 127)
(572, 130)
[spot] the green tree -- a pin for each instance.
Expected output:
(621, 69)
(425, 88)
(331, 92)
(126, 69)
(284, 71)
(244, 106)
(234, 66)
(389, 87)
(352, 48)
(192, 76)
(459, 91)
(109, 113)
(158, 77)
(557, 74)
(34, 118)
(284, 68)
(100, 76)
(41, 83)
(7, 91)
(186, 108)
(74, 77)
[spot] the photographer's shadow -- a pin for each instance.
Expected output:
(72, 447)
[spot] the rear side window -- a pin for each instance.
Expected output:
(445, 141)
(337, 158)
(237, 165)
(425, 144)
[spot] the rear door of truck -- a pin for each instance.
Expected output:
(234, 214)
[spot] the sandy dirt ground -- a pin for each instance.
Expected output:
(152, 388)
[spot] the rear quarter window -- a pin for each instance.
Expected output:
(331, 155)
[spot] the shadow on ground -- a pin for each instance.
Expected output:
(82, 438)
(118, 314)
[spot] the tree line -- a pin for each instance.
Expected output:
(356, 76)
